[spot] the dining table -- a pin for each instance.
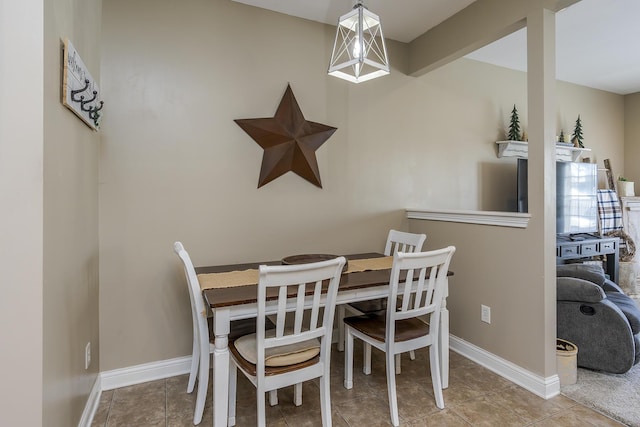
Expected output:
(231, 293)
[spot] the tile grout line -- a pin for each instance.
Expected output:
(113, 396)
(112, 405)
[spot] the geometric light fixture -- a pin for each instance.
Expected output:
(359, 53)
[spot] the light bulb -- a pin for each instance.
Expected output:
(356, 47)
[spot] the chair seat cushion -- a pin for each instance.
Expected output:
(374, 325)
(277, 356)
(628, 307)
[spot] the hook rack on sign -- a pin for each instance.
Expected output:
(80, 93)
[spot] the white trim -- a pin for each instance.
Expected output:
(146, 372)
(565, 152)
(501, 219)
(544, 387)
(109, 380)
(92, 404)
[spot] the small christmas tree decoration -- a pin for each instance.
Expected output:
(577, 137)
(514, 126)
(561, 138)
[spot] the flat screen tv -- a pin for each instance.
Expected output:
(576, 196)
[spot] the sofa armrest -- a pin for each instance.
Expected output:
(592, 273)
(574, 289)
(601, 332)
(610, 286)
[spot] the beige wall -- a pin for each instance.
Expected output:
(603, 123)
(490, 262)
(174, 166)
(631, 140)
(489, 268)
(21, 135)
(71, 153)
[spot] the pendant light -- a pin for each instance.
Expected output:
(359, 53)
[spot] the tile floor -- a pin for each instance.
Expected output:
(475, 397)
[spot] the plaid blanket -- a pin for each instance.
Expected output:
(609, 211)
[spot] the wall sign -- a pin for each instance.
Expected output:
(80, 93)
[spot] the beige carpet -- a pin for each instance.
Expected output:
(615, 395)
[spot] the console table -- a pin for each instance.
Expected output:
(585, 246)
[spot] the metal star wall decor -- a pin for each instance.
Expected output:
(289, 141)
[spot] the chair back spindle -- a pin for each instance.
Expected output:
(427, 289)
(400, 241)
(295, 285)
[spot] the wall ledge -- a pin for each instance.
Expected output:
(500, 219)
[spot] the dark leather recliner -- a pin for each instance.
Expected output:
(598, 317)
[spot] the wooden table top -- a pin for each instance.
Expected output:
(224, 297)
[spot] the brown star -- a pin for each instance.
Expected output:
(289, 141)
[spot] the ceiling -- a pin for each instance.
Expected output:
(598, 41)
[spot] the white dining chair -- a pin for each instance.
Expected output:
(289, 355)
(400, 328)
(397, 241)
(203, 338)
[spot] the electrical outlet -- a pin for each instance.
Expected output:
(485, 313)
(87, 355)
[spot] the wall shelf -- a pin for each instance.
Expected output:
(564, 152)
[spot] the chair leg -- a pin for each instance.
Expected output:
(348, 360)
(341, 314)
(412, 353)
(261, 407)
(273, 397)
(297, 394)
(193, 372)
(203, 384)
(434, 360)
(325, 401)
(233, 387)
(366, 362)
(391, 388)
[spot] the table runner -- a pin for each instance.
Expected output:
(366, 264)
(231, 279)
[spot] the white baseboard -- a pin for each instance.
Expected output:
(92, 404)
(109, 380)
(138, 374)
(146, 372)
(544, 387)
